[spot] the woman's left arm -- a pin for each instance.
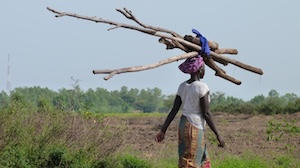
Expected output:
(205, 108)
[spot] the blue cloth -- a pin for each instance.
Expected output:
(205, 50)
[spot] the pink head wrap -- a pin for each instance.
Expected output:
(191, 65)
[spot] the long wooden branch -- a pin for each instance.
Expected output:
(173, 41)
(145, 67)
(220, 72)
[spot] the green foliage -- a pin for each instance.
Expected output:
(127, 100)
(129, 161)
(273, 128)
(229, 104)
(276, 129)
(149, 100)
(167, 103)
(44, 105)
(17, 101)
(14, 157)
(257, 100)
(121, 161)
(56, 158)
(272, 104)
(34, 139)
(108, 162)
(4, 100)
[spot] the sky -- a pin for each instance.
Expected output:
(47, 51)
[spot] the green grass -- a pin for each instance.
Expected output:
(245, 160)
(250, 160)
(241, 161)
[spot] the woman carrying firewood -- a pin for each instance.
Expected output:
(194, 97)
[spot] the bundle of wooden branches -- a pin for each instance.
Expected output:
(189, 44)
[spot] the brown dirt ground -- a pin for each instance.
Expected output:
(242, 133)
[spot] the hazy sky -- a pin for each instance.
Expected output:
(47, 51)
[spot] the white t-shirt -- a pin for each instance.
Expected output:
(190, 95)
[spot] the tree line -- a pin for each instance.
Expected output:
(126, 100)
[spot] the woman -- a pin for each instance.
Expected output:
(193, 95)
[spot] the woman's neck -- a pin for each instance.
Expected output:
(192, 79)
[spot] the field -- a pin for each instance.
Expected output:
(274, 139)
(127, 140)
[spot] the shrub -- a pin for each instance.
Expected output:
(130, 161)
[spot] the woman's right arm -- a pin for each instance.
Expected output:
(176, 105)
(205, 108)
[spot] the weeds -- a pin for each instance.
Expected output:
(129, 161)
(55, 139)
(276, 129)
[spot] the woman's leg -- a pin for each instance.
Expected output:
(191, 146)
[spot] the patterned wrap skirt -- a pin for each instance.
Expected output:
(191, 146)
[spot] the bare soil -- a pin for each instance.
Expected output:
(267, 136)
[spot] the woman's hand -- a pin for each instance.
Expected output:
(221, 141)
(160, 137)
